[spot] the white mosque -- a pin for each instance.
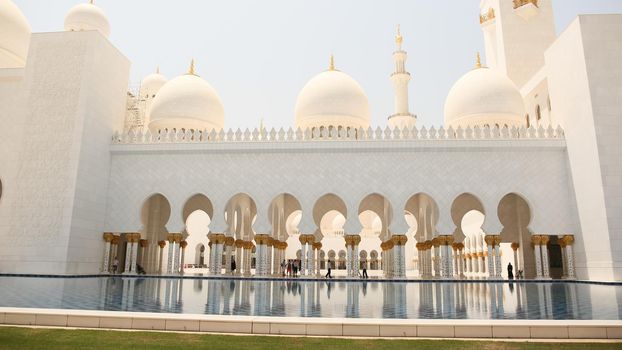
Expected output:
(527, 168)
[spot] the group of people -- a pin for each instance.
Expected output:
(290, 268)
(519, 273)
(363, 275)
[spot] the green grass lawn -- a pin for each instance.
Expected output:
(38, 338)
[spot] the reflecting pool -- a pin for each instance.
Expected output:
(371, 299)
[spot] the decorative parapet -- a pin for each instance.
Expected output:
(520, 3)
(488, 16)
(330, 134)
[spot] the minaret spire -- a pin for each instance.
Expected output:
(158, 69)
(191, 69)
(401, 117)
(399, 39)
(478, 61)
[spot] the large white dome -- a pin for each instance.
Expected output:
(14, 36)
(483, 97)
(332, 98)
(87, 17)
(186, 102)
(151, 84)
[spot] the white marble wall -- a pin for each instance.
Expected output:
(54, 195)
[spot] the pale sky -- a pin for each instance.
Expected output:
(258, 54)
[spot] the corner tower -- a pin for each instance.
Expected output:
(400, 79)
(516, 34)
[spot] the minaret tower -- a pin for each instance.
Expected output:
(400, 78)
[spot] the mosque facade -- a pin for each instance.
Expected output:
(525, 170)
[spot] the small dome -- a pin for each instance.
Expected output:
(332, 98)
(482, 97)
(186, 102)
(14, 36)
(151, 84)
(87, 17)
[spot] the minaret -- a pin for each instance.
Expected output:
(400, 78)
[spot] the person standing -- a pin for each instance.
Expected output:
(115, 265)
(328, 275)
(233, 267)
(510, 271)
(365, 272)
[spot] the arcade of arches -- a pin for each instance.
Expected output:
(467, 252)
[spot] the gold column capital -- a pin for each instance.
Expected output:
(229, 241)
(544, 240)
(108, 236)
(161, 244)
(515, 246)
(143, 243)
(183, 244)
(239, 243)
(262, 239)
(399, 239)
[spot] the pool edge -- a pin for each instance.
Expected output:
(337, 327)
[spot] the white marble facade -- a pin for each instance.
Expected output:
(85, 178)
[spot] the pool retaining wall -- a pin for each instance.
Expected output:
(348, 327)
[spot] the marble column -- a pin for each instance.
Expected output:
(217, 241)
(229, 242)
(437, 258)
(456, 259)
(261, 256)
(498, 267)
(545, 257)
(461, 260)
(310, 255)
(176, 266)
(134, 252)
(248, 246)
(569, 242)
(317, 246)
(490, 242)
(515, 247)
(303, 253)
(536, 240)
(399, 243)
(420, 264)
(270, 265)
(161, 244)
(183, 245)
(108, 239)
(114, 246)
(143, 244)
(171, 246)
(446, 255)
(129, 239)
(239, 246)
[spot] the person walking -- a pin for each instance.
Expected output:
(510, 271)
(328, 275)
(289, 269)
(365, 272)
(283, 267)
(233, 267)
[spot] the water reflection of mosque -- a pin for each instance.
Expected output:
(473, 300)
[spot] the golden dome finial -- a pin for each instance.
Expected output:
(191, 69)
(331, 65)
(398, 37)
(478, 62)
(91, 2)
(158, 69)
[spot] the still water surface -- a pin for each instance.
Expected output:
(554, 300)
